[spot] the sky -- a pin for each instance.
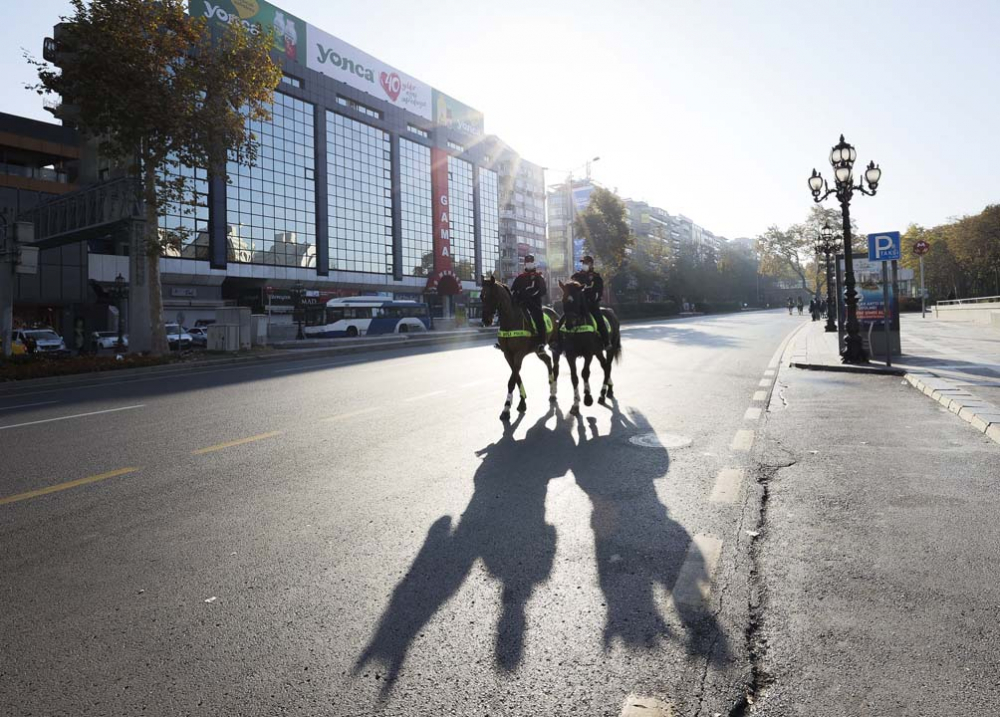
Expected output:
(715, 110)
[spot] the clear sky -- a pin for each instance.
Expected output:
(716, 110)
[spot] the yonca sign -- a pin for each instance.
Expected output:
(344, 63)
(217, 12)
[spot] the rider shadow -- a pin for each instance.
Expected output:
(638, 546)
(504, 525)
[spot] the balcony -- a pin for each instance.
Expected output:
(43, 173)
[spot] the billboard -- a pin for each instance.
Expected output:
(581, 196)
(345, 63)
(443, 281)
(449, 112)
(257, 15)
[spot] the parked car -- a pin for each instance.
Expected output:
(107, 340)
(178, 336)
(199, 336)
(44, 341)
(17, 347)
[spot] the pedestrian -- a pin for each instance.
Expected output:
(812, 309)
(798, 304)
(791, 305)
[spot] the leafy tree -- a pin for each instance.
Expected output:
(605, 230)
(160, 93)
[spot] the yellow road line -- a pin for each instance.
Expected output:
(239, 442)
(66, 486)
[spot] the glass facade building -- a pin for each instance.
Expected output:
(489, 208)
(463, 220)
(185, 216)
(417, 210)
(271, 207)
(359, 196)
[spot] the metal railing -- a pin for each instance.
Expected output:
(85, 210)
(976, 300)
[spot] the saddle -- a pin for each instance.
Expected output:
(529, 326)
(586, 327)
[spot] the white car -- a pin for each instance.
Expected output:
(178, 336)
(45, 341)
(199, 336)
(108, 340)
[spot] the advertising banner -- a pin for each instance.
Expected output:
(868, 284)
(443, 281)
(581, 196)
(257, 16)
(449, 112)
(345, 63)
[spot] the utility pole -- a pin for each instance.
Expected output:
(8, 254)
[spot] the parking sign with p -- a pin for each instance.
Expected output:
(884, 246)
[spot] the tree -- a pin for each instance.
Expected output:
(162, 91)
(605, 230)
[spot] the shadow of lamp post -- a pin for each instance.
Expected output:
(842, 158)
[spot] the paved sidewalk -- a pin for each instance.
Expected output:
(956, 364)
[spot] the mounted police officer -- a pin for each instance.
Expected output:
(528, 290)
(593, 290)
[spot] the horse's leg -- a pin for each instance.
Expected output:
(606, 387)
(588, 400)
(511, 382)
(523, 405)
(556, 354)
(571, 360)
(552, 376)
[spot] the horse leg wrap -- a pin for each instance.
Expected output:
(524, 394)
(510, 399)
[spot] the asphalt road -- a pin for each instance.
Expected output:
(363, 536)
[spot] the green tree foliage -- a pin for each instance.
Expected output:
(964, 258)
(149, 80)
(605, 230)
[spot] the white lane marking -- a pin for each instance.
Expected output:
(352, 414)
(727, 486)
(752, 414)
(760, 395)
(764, 382)
(769, 372)
(76, 415)
(310, 367)
(480, 382)
(423, 396)
(27, 405)
(742, 441)
(639, 706)
(694, 581)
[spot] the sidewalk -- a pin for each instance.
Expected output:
(876, 555)
(956, 364)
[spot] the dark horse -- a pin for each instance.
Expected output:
(517, 339)
(579, 337)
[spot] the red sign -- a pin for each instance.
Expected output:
(443, 280)
(921, 248)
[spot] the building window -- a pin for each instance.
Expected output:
(455, 146)
(359, 178)
(271, 207)
(489, 225)
(417, 208)
(183, 218)
(417, 131)
(463, 233)
(293, 81)
(358, 107)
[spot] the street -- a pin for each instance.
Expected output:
(362, 535)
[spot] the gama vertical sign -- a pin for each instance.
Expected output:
(443, 280)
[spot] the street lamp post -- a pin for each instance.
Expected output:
(842, 158)
(828, 248)
(119, 291)
(297, 291)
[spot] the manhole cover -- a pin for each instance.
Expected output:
(661, 440)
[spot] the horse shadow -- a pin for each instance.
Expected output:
(639, 548)
(504, 525)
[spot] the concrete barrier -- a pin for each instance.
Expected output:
(986, 313)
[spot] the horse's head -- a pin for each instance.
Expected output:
(572, 300)
(490, 299)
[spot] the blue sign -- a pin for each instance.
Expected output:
(884, 246)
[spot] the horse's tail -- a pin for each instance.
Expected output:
(616, 336)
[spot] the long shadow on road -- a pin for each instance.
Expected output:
(638, 545)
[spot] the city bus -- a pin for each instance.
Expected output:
(364, 315)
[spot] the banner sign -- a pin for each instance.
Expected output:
(581, 196)
(257, 16)
(449, 112)
(345, 63)
(443, 280)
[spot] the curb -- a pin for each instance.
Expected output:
(111, 377)
(982, 415)
(848, 368)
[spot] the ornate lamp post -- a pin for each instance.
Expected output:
(828, 248)
(842, 158)
(120, 292)
(298, 290)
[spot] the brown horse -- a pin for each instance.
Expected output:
(579, 337)
(517, 339)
